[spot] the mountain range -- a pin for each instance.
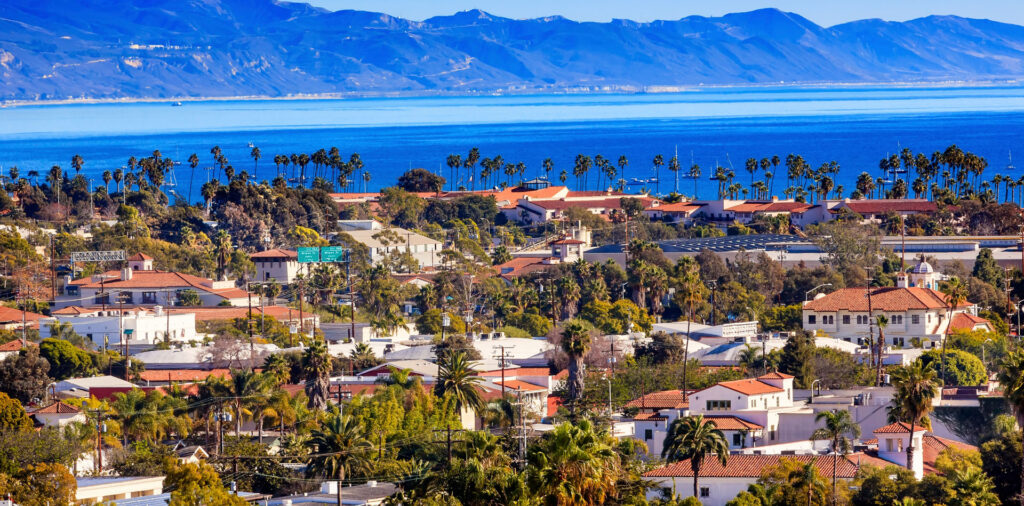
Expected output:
(61, 49)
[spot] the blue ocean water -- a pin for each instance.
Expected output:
(854, 126)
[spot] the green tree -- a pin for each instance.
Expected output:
(421, 180)
(24, 376)
(797, 359)
(66, 360)
(987, 269)
(1001, 460)
(916, 387)
(972, 487)
(316, 369)
(189, 298)
(12, 415)
(954, 292)
(339, 449)
(696, 439)
(1011, 378)
(457, 380)
(962, 368)
(197, 485)
(573, 465)
(575, 343)
(838, 430)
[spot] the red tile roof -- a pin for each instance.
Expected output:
(139, 257)
(967, 321)
(748, 207)
(752, 466)
(727, 422)
(521, 265)
(898, 428)
(568, 241)
(276, 253)
(72, 310)
(678, 207)
(880, 206)
(934, 445)
(882, 299)
(57, 408)
(775, 375)
(15, 345)
(667, 399)
(521, 371)
(12, 315)
(159, 280)
(607, 203)
(208, 313)
(750, 387)
(521, 385)
(649, 417)
(184, 375)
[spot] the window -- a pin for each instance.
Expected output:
(915, 319)
(898, 341)
(888, 445)
(846, 319)
(719, 405)
(705, 492)
(149, 297)
(648, 434)
(736, 440)
(102, 298)
(898, 319)
(771, 433)
(811, 319)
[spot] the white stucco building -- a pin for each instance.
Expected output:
(141, 326)
(281, 265)
(382, 242)
(917, 313)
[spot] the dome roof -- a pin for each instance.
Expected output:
(923, 268)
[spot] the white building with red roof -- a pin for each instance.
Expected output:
(141, 284)
(57, 414)
(14, 347)
(281, 265)
(12, 318)
(757, 401)
(917, 312)
(141, 326)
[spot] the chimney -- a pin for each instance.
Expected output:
(126, 274)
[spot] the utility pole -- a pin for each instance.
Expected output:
(448, 441)
(248, 328)
(53, 270)
(351, 294)
(100, 429)
(24, 318)
(522, 430)
(714, 286)
(503, 356)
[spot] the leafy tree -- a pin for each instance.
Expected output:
(693, 438)
(987, 269)
(532, 323)
(1001, 460)
(196, 485)
(430, 323)
(878, 486)
(141, 458)
(782, 318)
(189, 298)
(66, 360)
(962, 368)
(576, 344)
(12, 415)
(616, 318)
(43, 483)
(1011, 379)
(24, 376)
(420, 180)
(972, 487)
(795, 483)
(797, 359)
(22, 449)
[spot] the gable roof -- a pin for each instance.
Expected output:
(12, 315)
(139, 257)
(967, 321)
(878, 206)
(775, 375)
(729, 422)
(934, 445)
(893, 299)
(678, 207)
(276, 253)
(15, 345)
(666, 399)
(157, 279)
(749, 387)
(898, 428)
(752, 466)
(57, 408)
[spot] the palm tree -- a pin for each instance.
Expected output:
(1011, 380)
(689, 292)
(809, 477)
(316, 367)
(955, 292)
(839, 428)
(658, 162)
(573, 465)
(245, 387)
(882, 322)
(456, 378)
(695, 438)
(973, 487)
(576, 344)
(916, 387)
(339, 448)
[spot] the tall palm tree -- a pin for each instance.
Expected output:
(839, 428)
(881, 321)
(690, 291)
(916, 387)
(456, 378)
(809, 477)
(576, 344)
(955, 292)
(1011, 379)
(573, 465)
(316, 367)
(339, 448)
(696, 439)
(245, 387)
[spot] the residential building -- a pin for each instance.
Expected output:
(14, 347)
(95, 386)
(749, 407)
(917, 312)
(141, 326)
(141, 284)
(894, 441)
(655, 411)
(381, 243)
(281, 265)
(107, 489)
(371, 493)
(57, 414)
(677, 212)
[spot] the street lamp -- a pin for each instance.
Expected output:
(808, 292)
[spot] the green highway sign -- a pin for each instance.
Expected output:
(309, 255)
(332, 254)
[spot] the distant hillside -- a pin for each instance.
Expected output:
(57, 49)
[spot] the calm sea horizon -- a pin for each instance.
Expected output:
(854, 126)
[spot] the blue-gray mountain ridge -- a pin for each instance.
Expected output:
(60, 49)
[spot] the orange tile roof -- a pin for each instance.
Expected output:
(747, 207)
(750, 387)
(727, 422)
(667, 399)
(894, 205)
(934, 445)
(14, 345)
(208, 313)
(967, 321)
(650, 417)
(72, 310)
(752, 466)
(775, 375)
(568, 241)
(882, 299)
(183, 374)
(276, 253)
(520, 385)
(139, 257)
(520, 266)
(898, 428)
(12, 315)
(57, 408)
(607, 203)
(521, 371)
(157, 279)
(678, 207)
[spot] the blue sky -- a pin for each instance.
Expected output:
(823, 12)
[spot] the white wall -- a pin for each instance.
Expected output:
(146, 328)
(281, 271)
(721, 490)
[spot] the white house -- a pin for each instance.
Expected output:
(141, 284)
(107, 489)
(917, 312)
(757, 402)
(13, 348)
(141, 326)
(893, 442)
(655, 411)
(278, 264)
(58, 414)
(425, 250)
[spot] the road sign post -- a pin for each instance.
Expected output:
(332, 254)
(309, 255)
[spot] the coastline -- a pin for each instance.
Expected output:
(607, 90)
